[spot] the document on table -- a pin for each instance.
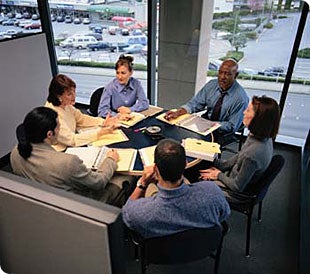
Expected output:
(92, 156)
(147, 155)
(151, 111)
(192, 122)
(136, 117)
(111, 138)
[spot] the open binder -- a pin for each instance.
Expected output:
(92, 156)
(147, 155)
(136, 117)
(192, 122)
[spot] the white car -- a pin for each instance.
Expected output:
(136, 48)
(86, 21)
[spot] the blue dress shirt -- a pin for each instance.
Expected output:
(234, 103)
(116, 95)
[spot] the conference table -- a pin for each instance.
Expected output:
(141, 139)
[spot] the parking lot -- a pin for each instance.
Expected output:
(62, 30)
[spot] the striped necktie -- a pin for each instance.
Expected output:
(217, 108)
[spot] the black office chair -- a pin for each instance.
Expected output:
(227, 139)
(253, 194)
(94, 101)
(180, 248)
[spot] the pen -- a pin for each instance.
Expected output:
(139, 129)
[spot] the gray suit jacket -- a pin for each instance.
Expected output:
(62, 170)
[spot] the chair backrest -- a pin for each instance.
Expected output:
(94, 101)
(183, 247)
(260, 187)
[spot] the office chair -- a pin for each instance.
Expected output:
(225, 140)
(180, 248)
(94, 102)
(253, 194)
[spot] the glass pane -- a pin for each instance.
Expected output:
(260, 35)
(18, 19)
(90, 36)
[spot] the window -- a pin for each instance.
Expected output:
(112, 23)
(254, 36)
(18, 19)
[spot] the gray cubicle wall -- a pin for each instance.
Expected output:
(44, 230)
(25, 76)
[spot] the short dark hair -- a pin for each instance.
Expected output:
(170, 159)
(124, 61)
(34, 129)
(59, 84)
(265, 123)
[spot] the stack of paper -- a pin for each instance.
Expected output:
(147, 155)
(136, 117)
(201, 149)
(192, 122)
(152, 110)
(92, 157)
(116, 137)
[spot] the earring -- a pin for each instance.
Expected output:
(60, 100)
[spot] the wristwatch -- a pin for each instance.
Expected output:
(139, 185)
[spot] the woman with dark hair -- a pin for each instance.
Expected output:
(34, 158)
(262, 118)
(61, 98)
(124, 93)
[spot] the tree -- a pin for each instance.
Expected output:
(69, 51)
(237, 40)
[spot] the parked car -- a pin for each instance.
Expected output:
(124, 32)
(136, 32)
(53, 17)
(9, 22)
(68, 19)
(22, 23)
(137, 39)
(86, 21)
(136, 48)
(273, 71)
(35, 17)
(98, 29)
(214, 65)
(97, 36)
(247, 71)
(77, 20)
(118, 46)
(13, 33)
(79, 42)
(33, 26)
(99, 46)
(60, 18)
(27, 15)
(112, 30)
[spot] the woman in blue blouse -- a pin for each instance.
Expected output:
(124, 94)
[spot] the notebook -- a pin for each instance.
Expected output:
(92, 156)
(192, 122)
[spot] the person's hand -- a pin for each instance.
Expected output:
(124, 110)
(113, 154)
(148, 176)
(110, 121)
(124, 116)
(170, 115)
(105, 130)
(210, 173)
